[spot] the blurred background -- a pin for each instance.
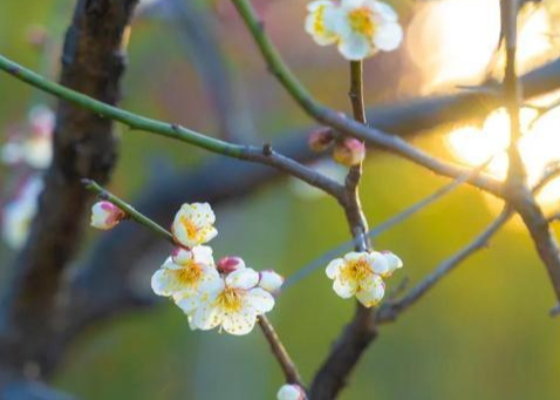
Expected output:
(483, 333)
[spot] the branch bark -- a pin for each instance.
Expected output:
(84, 146)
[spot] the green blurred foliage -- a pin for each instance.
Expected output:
(483, 333)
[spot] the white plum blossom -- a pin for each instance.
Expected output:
(321, 21)
(105, 215)
(34, 148)
(194, 224)
(360, 274)
(360, 28)
(271, 281)
(187, 276)
(394, 262)
(235, 306)
(18, 214)
(291, 392)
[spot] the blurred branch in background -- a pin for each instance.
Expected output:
(93, 63)
(196, 32)
(389, 311)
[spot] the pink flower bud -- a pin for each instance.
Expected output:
(349, 152)
(320, 139)
(229, 264)
(37, 36)
(271, 281)
(106, 215)
(291, 392)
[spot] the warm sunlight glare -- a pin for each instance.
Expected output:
(539, 146)
(453, 42)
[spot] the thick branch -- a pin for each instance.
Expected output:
(93, 63)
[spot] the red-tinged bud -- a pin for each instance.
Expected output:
(37, 36)
(349, 152)
(229, 264)
(320, 139)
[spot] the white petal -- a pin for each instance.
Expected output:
(206, 234)
(372, 293)
(260, 300)
(290, 392)
(181, 255)
(384, 10)
(352, 4)
(246, 278)
(314, 5)
(187, 300)
(203, 255)
(239, 323)
(378, 263)
(388, 36)
(393, 261)
(344, 288)
(355, 255)
(271, 281)
(211, 282)
(334, 266)
(164, 283)
(206, 317)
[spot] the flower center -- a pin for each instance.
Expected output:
(189, 274)
(319, 26)
(361, 21)
(230, 300)
(190, 227)
(356, 270)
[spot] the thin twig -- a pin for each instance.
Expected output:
(288, 366)
(276, 345)
(517, 192)
(130, 211)
(342, 124)
(390, 310)
(308, 269)
(263, 155)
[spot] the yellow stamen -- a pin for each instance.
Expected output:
(361, 20)
(230, 300)
(356, 271)
(189, 274)
(190, 227)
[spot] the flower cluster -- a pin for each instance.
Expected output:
(361, 274)
(228, 295)
(360, 28)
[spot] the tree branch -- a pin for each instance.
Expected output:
(263, 155)
(84, 145)
(391, 310)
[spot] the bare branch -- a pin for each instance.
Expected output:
(93, 63)
(391, 310)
